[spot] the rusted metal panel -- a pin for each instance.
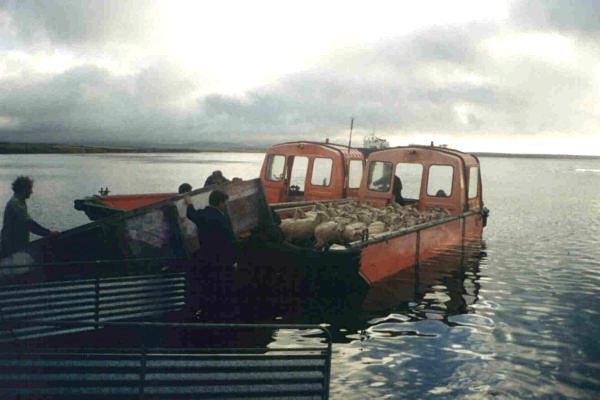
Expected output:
(246, 207)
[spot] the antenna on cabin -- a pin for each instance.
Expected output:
(351, 126)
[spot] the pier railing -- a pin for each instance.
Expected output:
(100, 291)
(118, 360)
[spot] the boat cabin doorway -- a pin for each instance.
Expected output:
(410, 176)
(296, 181)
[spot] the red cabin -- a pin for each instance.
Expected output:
(307, 171)
(428, 176)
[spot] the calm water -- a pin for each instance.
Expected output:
(518, 318)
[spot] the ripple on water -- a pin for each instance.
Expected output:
(473, 320)
(485, 305)
(470, 354)
(394, 317)
(424, 328)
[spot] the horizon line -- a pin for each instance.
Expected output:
(69, 148)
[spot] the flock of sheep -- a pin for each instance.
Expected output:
(342, 223)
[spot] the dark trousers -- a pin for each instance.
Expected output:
(210, 288)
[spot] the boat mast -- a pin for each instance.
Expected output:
(351, 126)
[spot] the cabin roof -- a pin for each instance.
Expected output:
(316, 147)
(441, 152)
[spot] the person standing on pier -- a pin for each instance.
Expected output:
(17, 224)
(212, 278)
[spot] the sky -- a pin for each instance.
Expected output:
(496, 76)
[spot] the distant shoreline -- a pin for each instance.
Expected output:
(517, 155)
(548, 156)
(53, 148)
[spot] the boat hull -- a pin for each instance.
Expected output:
(380, 257)
(393, 253)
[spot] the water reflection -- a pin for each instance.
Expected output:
(445, 289)
(415, 335)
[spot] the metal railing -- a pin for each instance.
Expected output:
(107, 290)
(169, 360)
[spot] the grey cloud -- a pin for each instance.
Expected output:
(519, 95)
(87, 103)
(66, 22)
(327, 96)
(455, 44)
(581, 16)
(162, 84)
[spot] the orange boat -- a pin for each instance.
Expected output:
(432, 178)
(291, 172)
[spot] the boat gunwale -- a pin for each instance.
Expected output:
(93, 202)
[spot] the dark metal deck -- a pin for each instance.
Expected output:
(162, 360)
(72, 331)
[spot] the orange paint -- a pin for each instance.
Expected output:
(473, 227)
(382, 259)
(281, 171)
(132, 201)
(438, 239)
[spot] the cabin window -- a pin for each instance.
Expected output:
(355, 174)
(298, 176)
(275, 167)
(410, 175)
(380, 176)
(439, 181)
(473, 181)
(321, 173)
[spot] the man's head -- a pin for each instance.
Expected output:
(184, 188)
(218, 199)
(218, 177)
(23, 187)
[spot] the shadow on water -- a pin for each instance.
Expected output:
(442, 287)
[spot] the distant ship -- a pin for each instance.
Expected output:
(373, 142)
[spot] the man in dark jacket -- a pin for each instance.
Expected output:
(17, 223)
(214, 229)
(212, 277)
